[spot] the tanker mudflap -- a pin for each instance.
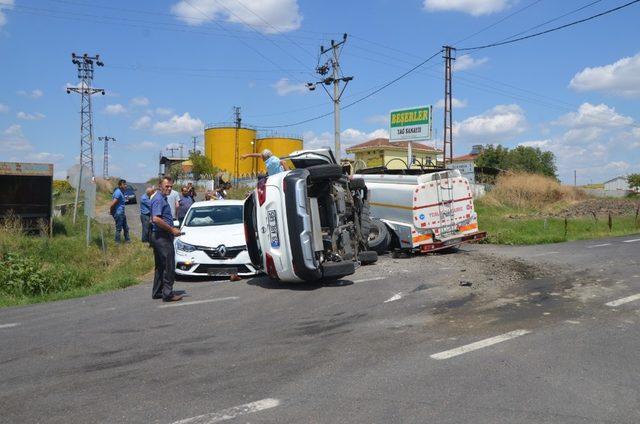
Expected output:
(467, 238)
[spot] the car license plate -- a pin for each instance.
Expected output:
(215, 272)
(273, 228)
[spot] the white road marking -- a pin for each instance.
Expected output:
(545, 253)
(624, 300)
(631, 241)
(396, 296)
(364, 280)
(598, 245)
(479, 345)
(196, 302)
(13, 324)
(570, 321)
(231, 413)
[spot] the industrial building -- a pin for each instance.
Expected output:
(224, 144)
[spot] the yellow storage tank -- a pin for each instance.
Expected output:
(220, 148)
(279, 146)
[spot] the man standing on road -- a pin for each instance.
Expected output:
(173, 198)
(162, 234)
(117, 211)
(273, 163)
(184, 203)
(145, 213)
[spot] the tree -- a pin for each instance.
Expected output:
(522, 158)
(202, 166)
(634, 181)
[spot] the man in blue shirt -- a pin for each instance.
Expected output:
(145, 212)
(117, 211)
(162, 234)
(185, 202)
(273, 163)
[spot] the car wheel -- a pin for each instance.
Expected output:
(335, 270)
(368, 257)
(325, 172)
(379, 237)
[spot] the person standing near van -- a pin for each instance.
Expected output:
(145, 212)
(185, 202)
(162, 234)
(273, 163)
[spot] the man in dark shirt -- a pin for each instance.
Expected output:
(145, 212)
(162, 234)
(185, 202)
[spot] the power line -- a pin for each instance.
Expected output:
(499, 22)
(361, 99)
(501, 43)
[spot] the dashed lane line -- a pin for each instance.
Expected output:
(479, 345)
(631, 241)
(598, 245)
(624, 300)
(231, 413)
(365, 280)
(196, 302)
(12, 324)
(393, 298)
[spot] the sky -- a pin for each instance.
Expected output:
(174, 66)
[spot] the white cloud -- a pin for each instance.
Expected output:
(143, 145)
(142, 123)
(30, 116)
(140, 101)
(536, 143)
(620, 78)
(14, 130)
(378, 119)
(13, 141)
(284, 87)
(4, 108)
(466, 62)
(618, 165)
(282, 15)
(5, 5)
(184, 124)
(456, 103)
(501, 123)
(33, 94)
(472, 7)
(589, 115)
(44, 157)
(163, 111)
(115, 109)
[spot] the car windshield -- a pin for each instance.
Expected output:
(205, 216)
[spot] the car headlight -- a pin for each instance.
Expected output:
(184, 247)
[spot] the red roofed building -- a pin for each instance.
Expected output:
(392, 154)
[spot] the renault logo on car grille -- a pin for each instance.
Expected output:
(222, 250)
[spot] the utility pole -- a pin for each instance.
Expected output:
(172, 150)
(195, 144)
(336, 78)
(85, 64)
(238, 122)
(448, 108)
(575, 178)
(105, 161)
(182, 151)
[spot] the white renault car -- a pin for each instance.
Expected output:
(212, 241)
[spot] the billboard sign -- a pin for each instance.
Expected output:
(412, 124)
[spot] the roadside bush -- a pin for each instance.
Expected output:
(62, 186)
(523, 190)
(22, 276)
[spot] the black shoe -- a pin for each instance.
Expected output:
(173, 298)
(156, 296)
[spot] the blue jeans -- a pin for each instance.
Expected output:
(121, 225)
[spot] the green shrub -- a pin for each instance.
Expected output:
(23, 276)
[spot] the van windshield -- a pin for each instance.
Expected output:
(206, 216)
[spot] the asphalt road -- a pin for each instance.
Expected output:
(541, 334)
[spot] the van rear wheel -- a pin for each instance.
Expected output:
(325, 172)
(368, 257)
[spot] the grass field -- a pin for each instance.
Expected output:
(39, 268)
(512, 226)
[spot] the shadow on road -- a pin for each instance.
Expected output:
(267, 283)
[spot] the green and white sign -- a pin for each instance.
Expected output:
(412, 124)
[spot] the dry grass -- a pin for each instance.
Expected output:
(531, 191)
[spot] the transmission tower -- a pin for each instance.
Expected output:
(85, 64)
(105, 163)
(448, 109)
(335, 79)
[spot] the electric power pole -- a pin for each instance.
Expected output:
(105, 161)
(172, 150)
(195, 144)
(85, 64)
(335, 79)
(236, 157)
(448, 107)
